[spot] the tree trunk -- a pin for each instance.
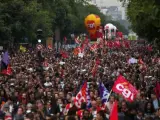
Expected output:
(57, 38)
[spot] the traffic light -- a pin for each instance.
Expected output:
(39, 34)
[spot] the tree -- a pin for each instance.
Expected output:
(58, 17)
(144, 17)
(22, 20)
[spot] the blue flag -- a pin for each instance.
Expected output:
(104, 93)
(5, 58)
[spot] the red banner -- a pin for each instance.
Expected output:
(123, 87)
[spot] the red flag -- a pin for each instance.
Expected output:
(86, 41)
(77, 40)
(140, 61)
(81, 96)
(119, 34)
(93, 47)
(114, 112)
(77, 50)
(66, 109)
(94, 70)
(123, 87)
(64, 54)
(65, 39)
(149, 48)
(7, 71)
(110, 44)
(50, 46)
(98, 61)
(117, 44)
(82, 47)
(157, 89)
(126, 44)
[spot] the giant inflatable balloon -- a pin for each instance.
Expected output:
(92, 23)
(114, 31)
(110, 31)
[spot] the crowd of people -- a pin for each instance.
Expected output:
(43, 84)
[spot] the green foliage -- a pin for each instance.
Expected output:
(22, 18)
(144, 16)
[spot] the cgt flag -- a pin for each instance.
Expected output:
(81, 96)
(124, 88)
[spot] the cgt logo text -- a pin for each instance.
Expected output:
(125, 92)
(91, 25)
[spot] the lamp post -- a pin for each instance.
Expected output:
(39, 35)
(39, 40)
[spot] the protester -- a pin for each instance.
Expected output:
(44, 86)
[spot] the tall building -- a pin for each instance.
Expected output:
(104, 5)
(114, 12)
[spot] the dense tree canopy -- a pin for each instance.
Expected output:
(20, 19)
(144, 16)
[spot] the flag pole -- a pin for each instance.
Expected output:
(110, 94)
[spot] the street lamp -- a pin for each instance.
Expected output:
(39, 40)
(39, 35)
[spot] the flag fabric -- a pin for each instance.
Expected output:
(93, 47)
(7, 71)
(3, 66)
(77, 41)
(66, 109)
(95, 67)
(77, 50)
(157, 89)
(132, 61)
(124, 88)
(149, 48)
(86, 41)
(94, 70)
(117, 44)
(65, 40)
(126, 44)
(64, 54)
(120, 34)
(98, 62)
(140, 61)
(50, 46)
(104, 93)
(5, 58)
(109, 44)
(114, 112)
(81, 96)
(22, 49)
(88, 99)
